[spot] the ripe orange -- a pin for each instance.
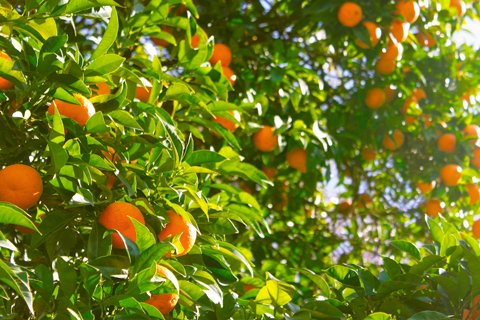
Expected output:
(79, 114)
(426, 187)
(248, 287)
(473, 193)
(427, 120)
(399, 29)
(264, 139)
(26, 230)
(409, 10)
(297, 158)
(375, 98)
(375, 34)
(350, 14)
(227, 124)
(460, 6)
(20, 185)
(229, 74)
(178, 225)
(369, 154)
(103, 88)
(386, 66)
(270, 172)
(476, 229)
(245, 188)
(111, 181)
(164, 302)
(475, 160)
(393, 51)
(389, 93)
(364, 200)
(472, 131)
(345, 205)
(116, 216)
(410, 120)
(280, 202)
(394, 141)
(161, 42)
(111, 154)
(5, 84)
(221, 53)
(451, 174)
(419, 94)
(425, 39)
(447, 142)
(143, 94)
(409, 103)
(195, 41)
(434, 207)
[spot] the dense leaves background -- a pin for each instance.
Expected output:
(298, 70)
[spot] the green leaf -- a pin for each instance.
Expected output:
(58, 154)
(67, 277)
(275, 292)
(124, 118)
(14, 281)
(244, 170)
(407, 247)
(436, 231)
(109, 37)
(151, 255)
(428, 315)
(12, 214)
(69, 81)
(346, 276)
(104, 65)
(96, 123)
(204, 156)
(57, 135)
(98, 245)
(53, 222)
(45, 27)
(319, 281)
(145, 238)
(378, 316)
(320, 310)
(80, 5)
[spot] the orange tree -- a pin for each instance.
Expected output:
(238, 160)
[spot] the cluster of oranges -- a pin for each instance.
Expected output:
(408, 11)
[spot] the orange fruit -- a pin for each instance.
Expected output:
(195, 41)
(179, 225)
(389, 93)
(270, 172)
(103, 88)
(26, 230)
(5, 84)
(476, 229)
(473, 193)
(20, 185)
(386, 66)
(345, 205)
(375, 34)
(427, 120)
(245, 188)
(392, 52)
(394, 141)
(434, 207)
(419, 94)
(409, 103)
(221, 53)
(143, 94)
(375, 98)
(472, 131)
(248, 287)
(399, 30)
(409, 10)
(79, 114)
(229, 74)
(111, 181)
(164, 302)
(227, 124)
(425, 39)
(451, 174)
(280, 202)
(447, 142)
(364, 200)
(409, 120)
(426, 187)
(111, 154)
(369, 154)
(264, 139)
(350, 14)
(460, 6)
(161, 42)
(116, 216)
(475, 160)
(297, 158)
